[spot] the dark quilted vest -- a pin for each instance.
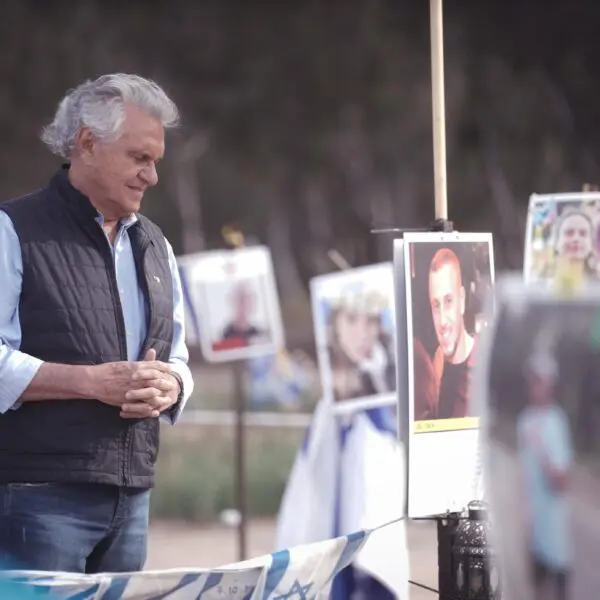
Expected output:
(70, 313)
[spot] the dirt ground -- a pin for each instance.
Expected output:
(178, 545)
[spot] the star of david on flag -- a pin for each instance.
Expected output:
(297, 592)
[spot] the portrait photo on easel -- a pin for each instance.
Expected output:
(354, 317)
(441, 280)
(234, 295)
(563, 234)
(447, 282)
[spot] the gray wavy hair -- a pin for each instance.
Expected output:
(99, 105)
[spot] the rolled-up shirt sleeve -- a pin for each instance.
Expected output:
(17, 369)
(179, 352)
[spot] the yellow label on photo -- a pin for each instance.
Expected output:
(446, 425)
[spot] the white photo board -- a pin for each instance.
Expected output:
(354, 321)
(233, 303)
(444, 279)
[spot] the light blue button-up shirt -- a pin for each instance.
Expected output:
(544, 438)
(17, 369)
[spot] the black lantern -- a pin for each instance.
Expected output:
(475, 574)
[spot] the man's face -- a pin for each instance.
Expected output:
(122, 170)
(447, 299)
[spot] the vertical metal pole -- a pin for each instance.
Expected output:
(438, 103)
(447, 524)
(240, 456)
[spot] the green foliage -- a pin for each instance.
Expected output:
(318, 114)
(196, 477)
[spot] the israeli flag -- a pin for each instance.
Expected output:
(349, 475)
(301, 573)
(217, 584)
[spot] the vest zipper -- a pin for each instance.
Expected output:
(146, 290)
(114, 289)
(122, 335)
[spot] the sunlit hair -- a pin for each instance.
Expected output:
(443, 257)
(100, 105)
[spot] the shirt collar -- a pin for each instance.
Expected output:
(80, 201)
(125, 223)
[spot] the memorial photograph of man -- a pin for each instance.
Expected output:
(245, 322)
(448, 283)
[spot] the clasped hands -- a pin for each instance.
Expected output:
(140, 389)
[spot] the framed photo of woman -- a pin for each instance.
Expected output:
(354, 321)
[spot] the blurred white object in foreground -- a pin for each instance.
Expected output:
(348, 477)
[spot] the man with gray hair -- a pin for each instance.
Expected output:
(92, 349)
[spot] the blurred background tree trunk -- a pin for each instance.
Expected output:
(310, 123)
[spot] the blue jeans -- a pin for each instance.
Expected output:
(80, 528)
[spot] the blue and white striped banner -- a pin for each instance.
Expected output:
(301, 573)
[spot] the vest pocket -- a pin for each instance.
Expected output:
(150, 441)
(61, 428)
